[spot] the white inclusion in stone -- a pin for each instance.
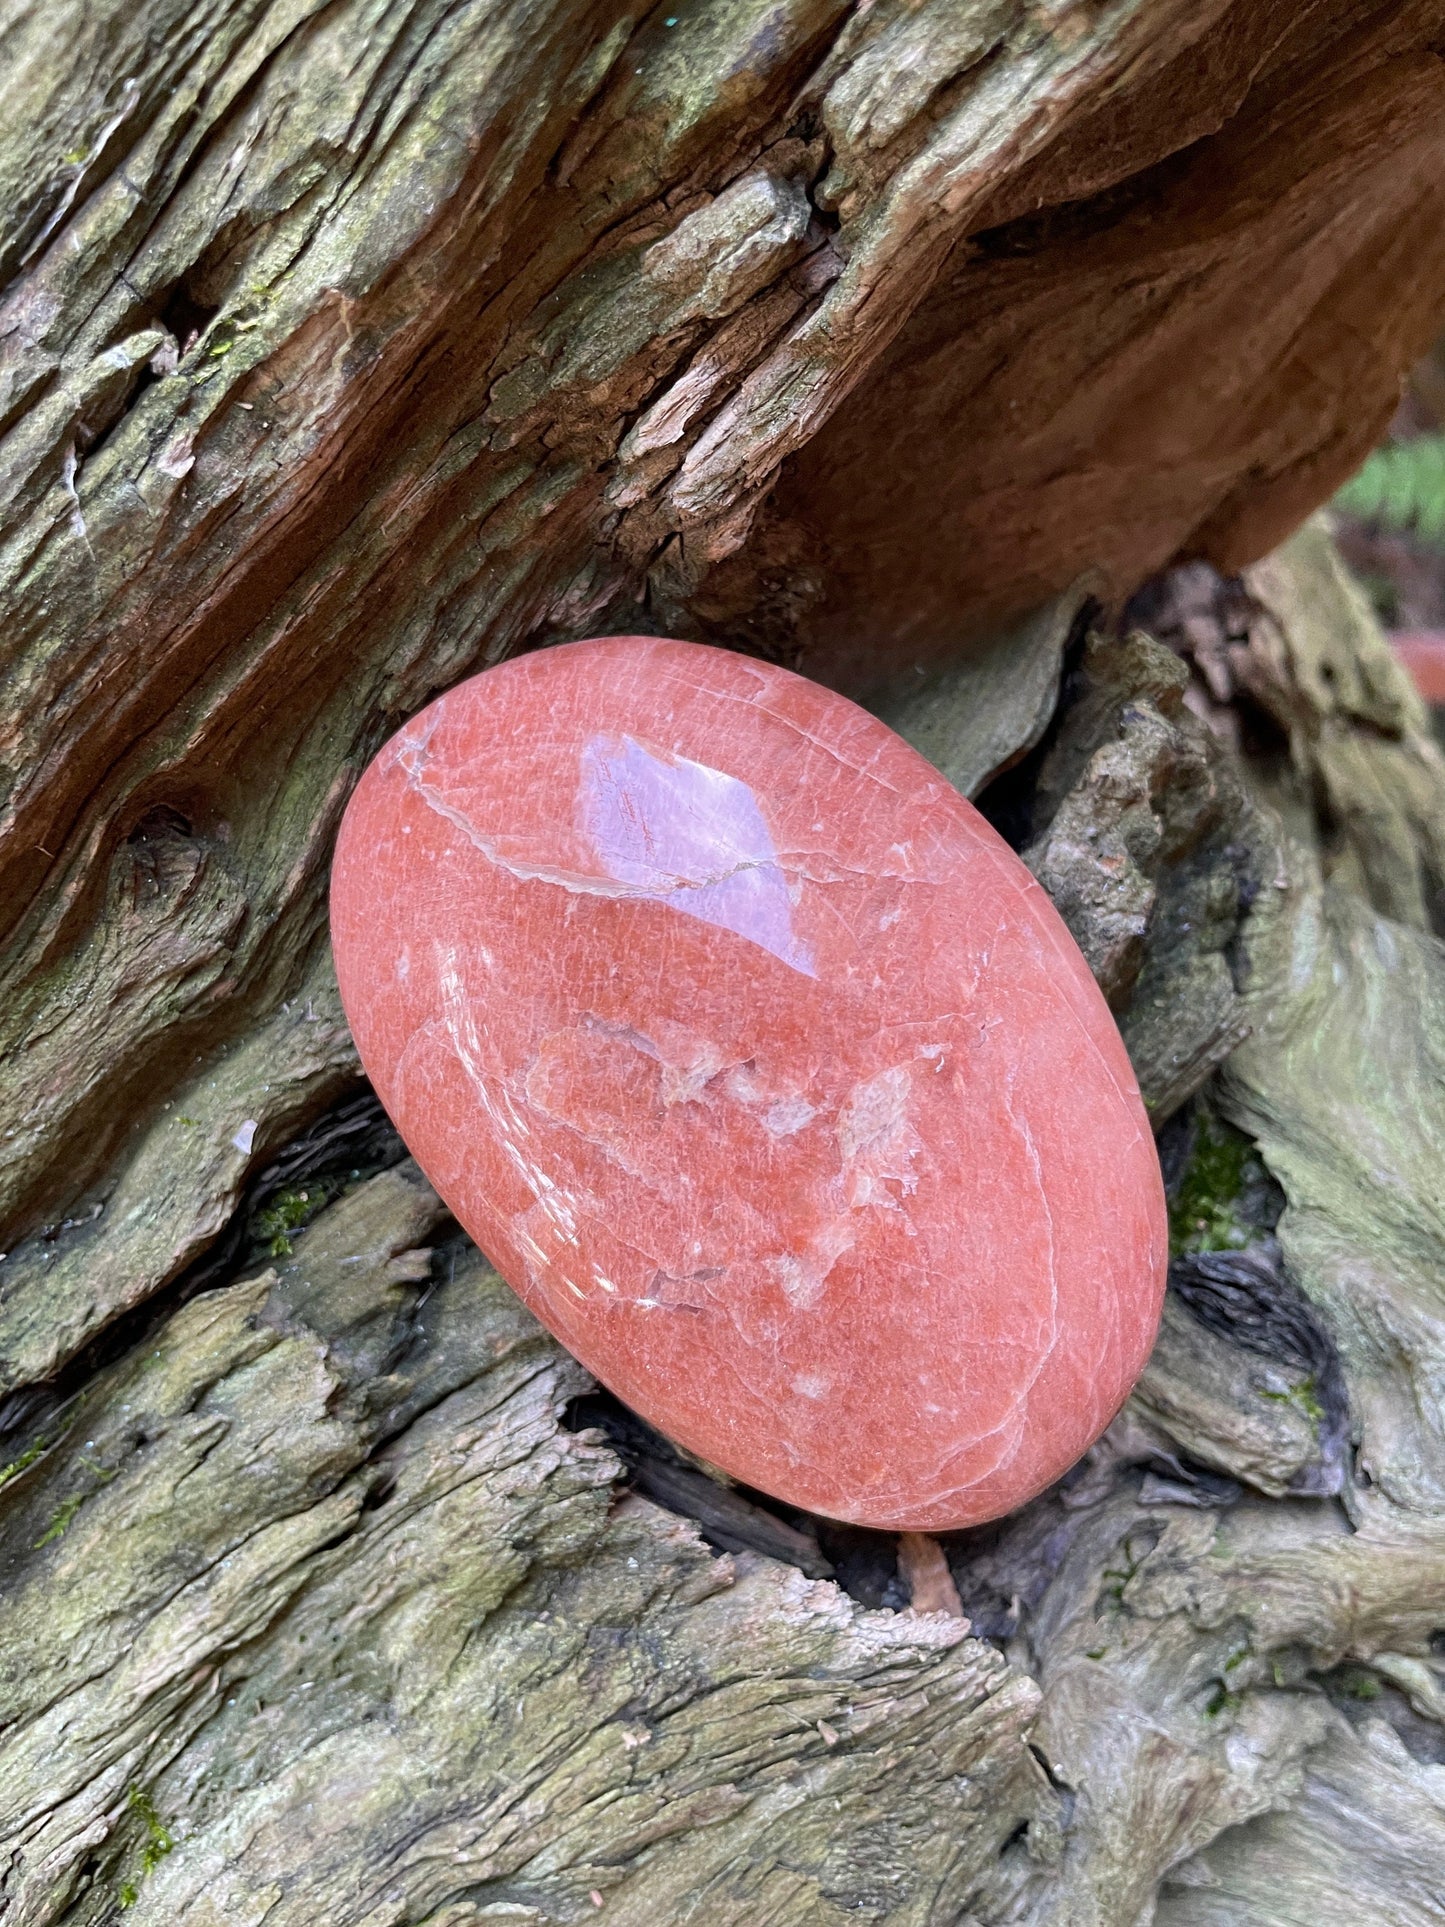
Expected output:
(877, 1140)
(692, 838)
(788, 1115)
(803, 1274)
(811, 1385)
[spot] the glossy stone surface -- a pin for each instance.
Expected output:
(763, 1070)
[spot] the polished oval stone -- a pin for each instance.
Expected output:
(762, 1069)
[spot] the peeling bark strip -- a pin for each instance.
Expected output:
(346, 348)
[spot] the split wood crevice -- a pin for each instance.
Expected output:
(346, 348)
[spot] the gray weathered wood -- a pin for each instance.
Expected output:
(346, 349)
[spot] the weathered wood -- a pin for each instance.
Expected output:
(315, 1613)
(348, 348)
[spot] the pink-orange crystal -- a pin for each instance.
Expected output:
(762, 1069)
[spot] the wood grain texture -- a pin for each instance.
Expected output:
(345, 348)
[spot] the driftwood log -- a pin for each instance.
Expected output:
(980, 358)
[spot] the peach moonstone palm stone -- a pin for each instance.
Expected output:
(762, 1069)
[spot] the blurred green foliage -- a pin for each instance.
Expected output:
(1401, 486)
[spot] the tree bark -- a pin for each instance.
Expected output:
(346, 348)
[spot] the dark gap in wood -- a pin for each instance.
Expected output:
(1363, 1695)
(737, 1518)
(1069, 223)
(1008, 802)
(160, 821)
(1248, 1298)
(184, 315)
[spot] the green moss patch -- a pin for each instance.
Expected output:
(1204, 1212)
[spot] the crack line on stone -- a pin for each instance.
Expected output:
(572, 880)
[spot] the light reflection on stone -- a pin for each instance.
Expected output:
(690, 837)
